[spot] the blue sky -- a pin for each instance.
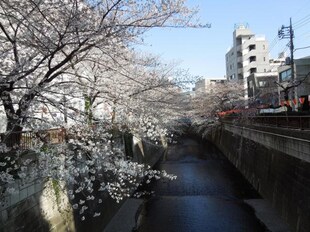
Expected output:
(202, 51)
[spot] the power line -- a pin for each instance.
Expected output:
(273, 43)
(275, 40)
(303, 35)
(298, 24)
(301, 48)
(301, 8)
(283, 50)
(303, 24)
(301, 20)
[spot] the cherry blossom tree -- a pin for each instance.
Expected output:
(55, 53)
(219, 97)
(288, 86)
(42, 40)
(208, 104)
(129, 90)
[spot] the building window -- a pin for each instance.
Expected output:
(286, 75)
(264, 47)
(264, 58)
(239, 41)
(251, 84)
(252, 47)
(262, 83)
(253, 70)
(252, 58)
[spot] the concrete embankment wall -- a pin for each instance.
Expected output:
(34, 206)
(276, 165)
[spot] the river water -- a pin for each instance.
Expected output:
(207, 196)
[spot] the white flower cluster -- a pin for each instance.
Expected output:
(148, 126)
(90, 164)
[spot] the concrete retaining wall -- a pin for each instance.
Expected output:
(276, 165)
(33, 207)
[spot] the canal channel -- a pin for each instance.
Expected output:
(209, 194)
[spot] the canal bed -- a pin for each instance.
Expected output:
(209, 195)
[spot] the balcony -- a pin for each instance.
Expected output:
(249, 54)
(253, 70)
(251, 65)
(252, 47)
(252, 59)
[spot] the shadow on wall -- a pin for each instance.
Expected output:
(35, 204)
(45, 205)
(26, 215)
(278, 176)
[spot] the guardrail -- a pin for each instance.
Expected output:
(292, 122)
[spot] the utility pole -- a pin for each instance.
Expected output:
(288, 33)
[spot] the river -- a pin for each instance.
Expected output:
(207, 196)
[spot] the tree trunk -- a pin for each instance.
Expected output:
(88, 109)
(12, 137)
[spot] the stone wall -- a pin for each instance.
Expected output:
(37, 207)
(277, 166)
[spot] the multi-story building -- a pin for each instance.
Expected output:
(300, 95)
(205, 85)
(249, 54)
(278, 62)
(262, 88)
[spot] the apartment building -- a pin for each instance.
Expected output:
(249, 54)
(205, 85)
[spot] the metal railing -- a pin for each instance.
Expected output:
(28, 139)
(293, 122)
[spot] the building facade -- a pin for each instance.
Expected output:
(262, 88)
(205, 85)
(299, 95)
(249, 54)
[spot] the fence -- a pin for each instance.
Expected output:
(293, 122)
(28, 139)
